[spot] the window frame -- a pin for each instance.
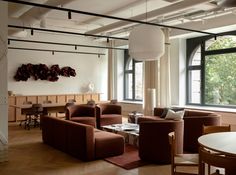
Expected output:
(127, 58)
(192, 44)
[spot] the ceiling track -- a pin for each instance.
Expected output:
(65, 32)
(53, 51)
(106, 16)
(64, 44)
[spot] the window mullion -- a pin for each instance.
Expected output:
(203, 53)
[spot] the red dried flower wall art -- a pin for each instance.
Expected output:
(42, 72)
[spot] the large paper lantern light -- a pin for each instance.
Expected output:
(146, 43)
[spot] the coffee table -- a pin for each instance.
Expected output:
(130, 131)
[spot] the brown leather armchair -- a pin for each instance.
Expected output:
(108, 114)
(82, 114)
(154, 142)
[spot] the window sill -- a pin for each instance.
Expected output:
(131, 102)
(207, 108)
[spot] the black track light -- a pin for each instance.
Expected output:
(9, 42)
(69, 15)
(108, 40)
(75, 47)
(52, 52)
(32, 32)
(215, 37)
(98, 55)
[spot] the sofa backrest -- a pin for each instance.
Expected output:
(81, 110)
(108, 108)
(71, 137)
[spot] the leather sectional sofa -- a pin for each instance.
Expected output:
(80, 140)
(193, 124)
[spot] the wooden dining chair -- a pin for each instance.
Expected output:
(181, 160)
(27, 114)
(217, 160)
(214, 129)
(34, 116)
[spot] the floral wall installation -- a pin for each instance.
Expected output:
(42, 72)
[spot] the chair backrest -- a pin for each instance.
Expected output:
(171, 137)
(71, 101)
(37, 108)
(213, 129)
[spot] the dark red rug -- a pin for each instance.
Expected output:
(128, 160)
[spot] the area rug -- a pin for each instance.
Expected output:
(128, 160)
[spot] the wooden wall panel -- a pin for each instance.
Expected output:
(52, 98)
(42, 98)
(87, 97)
(11, 110)
(96, 97)
(32, 99)
(70, 97)
(79, 99)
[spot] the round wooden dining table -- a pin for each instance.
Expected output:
(221, 142)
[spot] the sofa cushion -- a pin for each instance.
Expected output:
(172, 115)
(165, 111)
(108, 119)
(108, 144)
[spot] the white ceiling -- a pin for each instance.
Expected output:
(195, 14)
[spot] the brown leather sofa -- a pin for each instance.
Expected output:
(154, 143)
(108, 114)
(80, 140)
(82, 114)
(193, 122)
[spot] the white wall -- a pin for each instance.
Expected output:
(89, 68)
(3, 83)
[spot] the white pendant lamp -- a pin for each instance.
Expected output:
(227, 3)
(146, 43)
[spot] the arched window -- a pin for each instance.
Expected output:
(212, 71)
(133, 79)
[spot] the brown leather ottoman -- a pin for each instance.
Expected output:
(108, 144)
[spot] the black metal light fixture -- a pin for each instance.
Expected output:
(32, 32)
(69, 15)
(64, 44)
(110, 17)
(54, 51)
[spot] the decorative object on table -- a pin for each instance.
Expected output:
(10, 93)
(42, 72)
(90, 87)
(150, 101)
(133, 116)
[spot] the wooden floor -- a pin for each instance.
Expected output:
(29, 156)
